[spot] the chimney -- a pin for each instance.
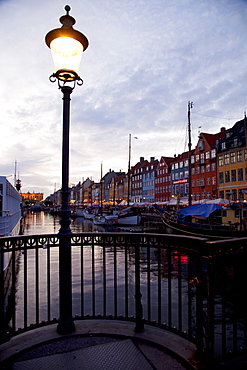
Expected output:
(222, 129)
(141, 159)
(152, 159)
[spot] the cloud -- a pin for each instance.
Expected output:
(145, 61)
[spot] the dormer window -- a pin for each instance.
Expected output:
(200, 145)
(223, 145)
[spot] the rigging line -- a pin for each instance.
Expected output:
(207, 115)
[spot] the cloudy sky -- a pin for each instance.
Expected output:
(146, 59)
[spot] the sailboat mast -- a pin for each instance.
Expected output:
(128, 199)
(190, 105)
(101, 186)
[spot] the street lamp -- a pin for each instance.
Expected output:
(67, 46)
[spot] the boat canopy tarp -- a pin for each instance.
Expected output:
(202, 210)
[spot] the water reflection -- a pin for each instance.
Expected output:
(109, 267)
(165, 276)
(37, 223)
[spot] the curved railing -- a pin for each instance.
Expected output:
(189, 286)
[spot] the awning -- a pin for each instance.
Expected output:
(202, 210)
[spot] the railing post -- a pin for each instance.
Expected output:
(1, 295)
(139, 312)
(199, 307)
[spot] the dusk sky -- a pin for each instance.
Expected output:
(145, 61)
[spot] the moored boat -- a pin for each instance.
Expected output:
(105, 220)
(10, 209)
(130, 216)
(88, 213)
(208, 220)
(10, 219)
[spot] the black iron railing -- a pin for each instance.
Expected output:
(191, 286)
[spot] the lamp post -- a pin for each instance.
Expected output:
(67, 46)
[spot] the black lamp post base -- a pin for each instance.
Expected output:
(65, 222)
(66, 326)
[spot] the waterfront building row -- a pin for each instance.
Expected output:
(215, 168)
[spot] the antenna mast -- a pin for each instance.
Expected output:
(190, 106)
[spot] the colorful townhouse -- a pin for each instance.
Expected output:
(204, 166)
(162, 182)
(136, 180)
(148, 181)
(232, 163)
(180, 175)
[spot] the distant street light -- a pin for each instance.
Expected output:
(67, 46)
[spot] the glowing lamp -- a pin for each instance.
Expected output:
(67, 46)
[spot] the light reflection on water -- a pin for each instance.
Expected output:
(37, 223)
(41, 223)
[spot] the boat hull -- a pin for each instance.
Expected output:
(134, 220)
(207, 231)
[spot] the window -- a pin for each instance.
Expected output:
(227, 176)
(186, 163)
(240, 174)
(197, 157)
(220, 160)
(208, 181)
(197, 169)
(221, 177)
(245, 154)
(202, 157)
(223, 145)
(202, 169)
(213, 153)
(207, 155)
(176, 166)
(208, 168)
(200, 145)
(181, 164)
(235, 142)
(222, 194)
(192, 159)
(227, 158)
(213, 167)
(239, 155)
(233, 175)
(214, 180)
(233, 157)
(192, 171)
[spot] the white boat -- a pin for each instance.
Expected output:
(130, 216)
(78, 213)
(10, 214)
(88, 214)
(10, 209)
(10, 218)
(105, 220)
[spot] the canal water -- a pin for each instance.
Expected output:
(38, 223)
